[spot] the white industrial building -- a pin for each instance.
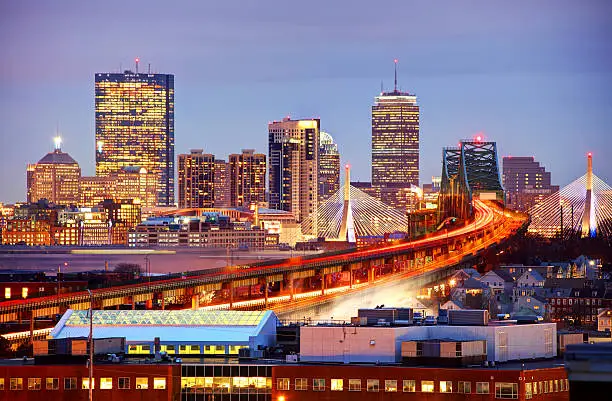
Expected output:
(348, 344)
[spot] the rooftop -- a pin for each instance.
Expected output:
(57, 157)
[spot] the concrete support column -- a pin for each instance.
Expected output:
(195, 301)
(266, 294)
(371, 274)
(350, 278)
(323, 277)
(231, 290)
(291, 288)
(31, 327)
(149, 304)
(133, 304)
(163, 302)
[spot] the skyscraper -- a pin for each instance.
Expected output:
(135, 126)
(247, 178)
(55, 177)
(526, 182)
(329, 167)
(222, 185)
(395, 142)
(196, 179)
(293, 153)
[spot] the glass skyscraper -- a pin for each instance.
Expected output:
(135, 126)
(395, 140)
(329, 167)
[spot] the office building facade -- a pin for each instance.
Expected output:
(135, 126)
(247, 178)
(222, 184)
(293, 154)
(196, 179)
(329, 167)
(526, 182)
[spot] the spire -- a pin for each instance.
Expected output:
(395, 86)
(58, 143)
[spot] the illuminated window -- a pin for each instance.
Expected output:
(124, 383)
(318, 384)
(85, 383)
(159, 383)
(70, 383)
(282, 384)
(373, 385)
(506, 390)
(528, 392)
(34, 383)
(106, 383)
(446, 387)
(409, 386)
(7, 292)
(16, 383)
(24, 292)
(52, 383)
(465, 387)
(337, 385)
(482, 387)
(301, 384)
(354, 384)
(390, 386)
(427, 386)
(142, 383)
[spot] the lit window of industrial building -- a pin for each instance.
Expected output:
(390, 386)
(337, 385)
(354, 384)
(427, 386)
(106, 383)
(409, 386)
(373, 385)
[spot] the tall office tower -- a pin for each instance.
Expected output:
(196, 179)
(29, 177)
(293, 149)
(55, 177)
(93, 190)
(135, 126)
(395, 143)
(526, 182)
(329, 167)
(222, 184)
(137, 184)
(247, 178)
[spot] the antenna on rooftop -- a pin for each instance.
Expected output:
(149, 68)
(137, 61)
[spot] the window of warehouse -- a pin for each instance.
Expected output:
(528, 393)
(282, 384)
(506, 390)
(337, 385)
(142, 383)
(354, 384)
(159, 383)
(409, 386)
(106, 383)
(427, 386)
(85, 383)
(482, 387)
(373, 385)
(52, 383)
(446, 386)
(301, 384)
(16, 383)
(34, 383)
(318, 384)
(465, 387)
(390, 386)
(70, 383)
(124, 383)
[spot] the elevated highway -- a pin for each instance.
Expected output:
(293, 282)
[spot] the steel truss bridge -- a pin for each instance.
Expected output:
(329, 274)
(469, 171)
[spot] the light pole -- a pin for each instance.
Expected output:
(90, 345)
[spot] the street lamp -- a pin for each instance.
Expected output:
(90, 345)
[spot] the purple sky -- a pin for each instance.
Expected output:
(535, 76)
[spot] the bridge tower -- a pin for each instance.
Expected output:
(588, 217)
(347, 227)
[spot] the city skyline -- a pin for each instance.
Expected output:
(511, 84)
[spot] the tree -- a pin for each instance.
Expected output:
(128, 268)
(5, 348)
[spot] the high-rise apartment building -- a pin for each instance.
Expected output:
(526, 182)
(55, 177)
(293, 150)
(196, 179)
(135, 126)
(247, 177)
(222, 184)
(329, 166)
(395, 141)
(134, 183)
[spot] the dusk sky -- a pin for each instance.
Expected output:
(535, 76)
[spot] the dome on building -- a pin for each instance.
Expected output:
(57, 157)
